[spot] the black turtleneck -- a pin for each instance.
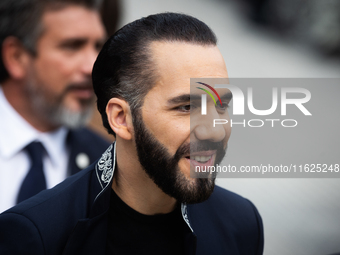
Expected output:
(130, 232)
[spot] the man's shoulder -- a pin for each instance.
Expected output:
(225, 197)
(54, 219)
(228, 222)
(50, 214)
(58, 199)
(225, 202)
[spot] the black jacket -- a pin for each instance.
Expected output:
(83, 141)
(72, 218)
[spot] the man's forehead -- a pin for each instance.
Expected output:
(177, 62)
(73, 21)
(166, 49)
(187, 59)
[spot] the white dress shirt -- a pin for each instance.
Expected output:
(15, 134)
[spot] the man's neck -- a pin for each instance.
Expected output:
(20, 102)
(135, 188)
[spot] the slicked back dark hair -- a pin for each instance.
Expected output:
(124, 69)
(22, 19)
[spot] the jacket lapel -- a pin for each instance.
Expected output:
(89, 235)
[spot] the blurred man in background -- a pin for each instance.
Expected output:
(47, 52)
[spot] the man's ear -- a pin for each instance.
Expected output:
(119, 117)
(15, 57)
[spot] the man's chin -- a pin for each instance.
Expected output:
(196, 190)
(72, 119)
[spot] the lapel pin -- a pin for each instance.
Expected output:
(82, 160)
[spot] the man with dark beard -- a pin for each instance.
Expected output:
(139, 197)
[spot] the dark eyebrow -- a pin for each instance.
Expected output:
(187, 97)
(183, 98)
(227, 96)
(73, 41)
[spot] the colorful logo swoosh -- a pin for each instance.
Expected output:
(212, 89)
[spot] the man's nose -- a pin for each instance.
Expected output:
(205, 129)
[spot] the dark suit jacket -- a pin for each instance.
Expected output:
(72, 218)
(84, 141)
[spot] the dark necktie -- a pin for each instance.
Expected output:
(34, 181)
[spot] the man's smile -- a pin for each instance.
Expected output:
(202, 158)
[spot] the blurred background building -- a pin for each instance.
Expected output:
(274, 39)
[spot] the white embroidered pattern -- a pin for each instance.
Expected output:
(105, 165)
(185, 215)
